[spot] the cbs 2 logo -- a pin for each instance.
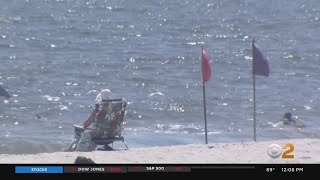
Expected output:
(275, 151)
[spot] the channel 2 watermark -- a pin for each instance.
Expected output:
(286, 151)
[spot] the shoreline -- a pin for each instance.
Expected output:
(305, 151)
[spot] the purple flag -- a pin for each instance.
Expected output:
(4, 94)
(260, 63)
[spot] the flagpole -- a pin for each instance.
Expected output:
(254, 97)
(204, 104)
(254, 108)
(205, 110)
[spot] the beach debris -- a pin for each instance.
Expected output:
(83, 160)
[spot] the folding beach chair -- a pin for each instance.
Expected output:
(106, 128)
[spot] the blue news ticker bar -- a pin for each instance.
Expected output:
(39, 169)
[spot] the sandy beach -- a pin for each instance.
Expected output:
(305, 151)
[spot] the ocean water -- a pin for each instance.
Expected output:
(55, 55)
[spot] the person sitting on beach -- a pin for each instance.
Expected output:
(102, 122)
(105, 94)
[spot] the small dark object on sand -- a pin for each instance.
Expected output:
(106, 148)
(83, 160)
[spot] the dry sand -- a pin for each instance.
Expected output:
(306, 151)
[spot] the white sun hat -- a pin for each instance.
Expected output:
(105, 94)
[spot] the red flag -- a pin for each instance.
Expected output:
(206, 69)
(260, 63)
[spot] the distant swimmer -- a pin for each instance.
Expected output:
(288, 120)
(38, 116)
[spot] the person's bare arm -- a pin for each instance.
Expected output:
(89, 121)
(115, 119)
